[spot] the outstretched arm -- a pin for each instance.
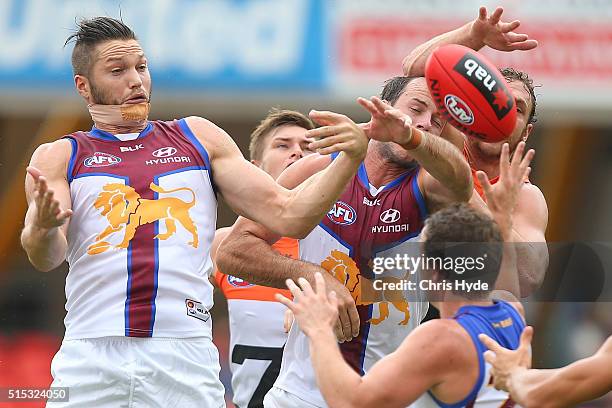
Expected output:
(246, 253)
(576, 383)
(49, 206)
(484, 30)
(254, 194)
(397, 380)
(447, 176)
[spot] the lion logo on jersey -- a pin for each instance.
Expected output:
(125, 211)
(344, 268)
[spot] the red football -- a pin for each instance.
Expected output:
(471, 93)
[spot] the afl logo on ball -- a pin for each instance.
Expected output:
(342, 214)
(239, 283)
(459, 109)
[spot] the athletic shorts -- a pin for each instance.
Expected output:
(279, 398)
(135, 372)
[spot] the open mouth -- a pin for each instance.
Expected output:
(136, 99)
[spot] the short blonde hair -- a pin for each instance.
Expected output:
(275, 119)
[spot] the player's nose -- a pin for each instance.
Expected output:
(297, 153)
(134, 79)
(423, 123)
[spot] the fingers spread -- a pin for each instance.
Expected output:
(482, 13)
(327, 117)
(496, 16)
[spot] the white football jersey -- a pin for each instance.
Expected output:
(139, 239)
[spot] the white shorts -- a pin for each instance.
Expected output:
(138, 372)
(279, 398)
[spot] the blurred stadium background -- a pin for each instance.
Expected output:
(231, 61)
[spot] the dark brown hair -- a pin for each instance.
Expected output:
(91, 32)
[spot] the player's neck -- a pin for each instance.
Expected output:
(380, 170)
(115, 129)
(479, 161)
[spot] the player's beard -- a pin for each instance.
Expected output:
(391, 155)
(492, 151)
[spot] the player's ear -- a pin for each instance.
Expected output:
(82, 85)
(527, 132)
(256, 162)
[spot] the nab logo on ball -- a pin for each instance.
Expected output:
(342, 214)
(487, 83)
(239, 283)
(101, 160)
(459, 109)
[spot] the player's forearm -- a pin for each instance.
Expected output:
(338, 382)
(310, 201)
(536, 388)
(46, 249)
(532, 263)
(446, 164)
(414, 63)
(248, 257)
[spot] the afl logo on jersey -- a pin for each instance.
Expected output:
(239, 283)
(101, 160)
(342, 214)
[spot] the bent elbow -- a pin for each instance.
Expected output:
(407, 65)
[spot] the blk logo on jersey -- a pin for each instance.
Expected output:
(239, 283)
(342, 214)
(100, 159)
(131, 148)
(371, 203)
(125, 211)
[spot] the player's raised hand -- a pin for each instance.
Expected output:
(48, 213)
(505, 361)
(387, 123)
(314, 310)
(338, 133)
(499, 35)
(502, 197)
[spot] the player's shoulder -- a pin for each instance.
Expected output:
(56, 153)
(441, 339)
(532, 203)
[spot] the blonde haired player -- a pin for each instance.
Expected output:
(256, 319)
(131, 204)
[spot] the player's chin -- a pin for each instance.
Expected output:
(491, 149)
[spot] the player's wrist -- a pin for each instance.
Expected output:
(474, 39)
(411, 138)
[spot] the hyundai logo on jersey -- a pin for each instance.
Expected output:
(342, 213)
(390, 215)
(164, 152)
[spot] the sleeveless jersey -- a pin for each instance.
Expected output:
(139, 239)
(257, 335)
(501, 322)
(359, 227)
